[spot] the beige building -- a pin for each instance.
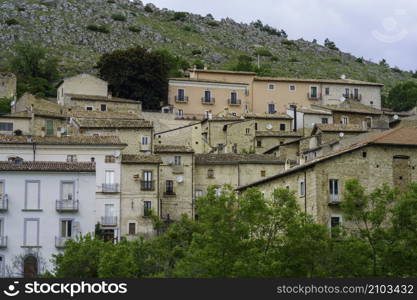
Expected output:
(188, 135)
(8, 85)
(209, 91)
(387, 157)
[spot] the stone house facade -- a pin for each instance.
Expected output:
(8, 83)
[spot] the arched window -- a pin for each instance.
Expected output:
(30, 267)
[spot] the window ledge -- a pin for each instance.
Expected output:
(31, 247)
(35, 210)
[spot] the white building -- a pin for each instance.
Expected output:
(103, 150)
(42, 204)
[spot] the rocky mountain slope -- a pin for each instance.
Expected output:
(80, 30)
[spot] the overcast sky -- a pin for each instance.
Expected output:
(374, 29)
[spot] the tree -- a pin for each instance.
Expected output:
(383, 63)
(403, 96)
(244, 63)
(138, 74)
(36, 70)
(5, 105)
(329, 44)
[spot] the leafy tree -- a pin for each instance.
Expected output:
(5, 105)
(329, 44)
(403, 96)
(36, 70)
(118, 261)
(244, 63)
(384, 63)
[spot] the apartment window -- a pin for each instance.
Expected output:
(346, 95)
(198, 193)
(169, 187)
(271, 86)
(334, 190)
(327, 91)
(263, 173)
(132, 228)
(66, 228)
(180, 113)
(145, 140)
(6, 126)
(356, 94)
(256, 126)
(177, 160)
(210, 173)
(32, 195)
(313, 92)
(89, 108)
(324, 121)
(147, 208)
(271, 108)
(71, 158)
(206, 114)
(103, 107)
(364, 154)
(344, 120)
(233, 98)
(109, 177)
(282, 127)
(258, 143)
(31, 232)
(180, 94)
(67, 190)
(247, 130)
(335, 221)
(49, 127)
(292, 87)
(109, 159)
(302, 188)
(207, 96)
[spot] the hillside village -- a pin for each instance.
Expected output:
(88, 161)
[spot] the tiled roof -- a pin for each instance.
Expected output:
(274, 133)
(102, 114)
(173, 149)
(351, 107)
(231, 158)
(339, 128)
(65, 140)
(223, 72)
(399, 136)
(49, 166)
(330, 81)
(100, 98)
(311, 111)
(112, 123)
(207, 81)
(141, 159)
(267, 116)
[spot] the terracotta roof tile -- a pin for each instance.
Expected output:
(173, 149)
(112, 123)
(331, 81)
(274, 133)
(65, 140)
(101, 98)
(49, 166)
(141, 159)
(231, 158)
(340, 128)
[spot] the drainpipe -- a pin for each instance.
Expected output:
(159, 213)
(192, 187)
(305, 192)
(34, 151)
(238, 174)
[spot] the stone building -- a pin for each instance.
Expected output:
(388, 157)
(8, 85)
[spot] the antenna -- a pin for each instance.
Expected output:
(343, 76)
(342, 99)
(341, 134)
(396, 117)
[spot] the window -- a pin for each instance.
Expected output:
(6, 126)
(263, 173)
(271, 108)
(66, 228)
(169, 187)
(132, 228)
(32, 192)
(31, 232)
(247, 130)
(92, 159)
(109, 177)
(324, 121)
(334, 190)
(302, 188)
(147, 183)
(103, 107)
(147, 208)
(109, 159)
(210, 173)
(292, 87)
(256, 126)
(198, 194)
(344, 120)
(313, 92)
(233, 98)
(49, 127)
(282, 127)
(327, 91)
(364, 154)
(180, 113)
(206, 114)
(271, 86)
(67, 190)
(346, 95)
(71, 158)
(356, 94)
(180, 95)
(145, 140)
(207, 96)
(335, 221)
(89, 108)
(177, 160)
(258, 143)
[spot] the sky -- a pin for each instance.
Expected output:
(374, 29)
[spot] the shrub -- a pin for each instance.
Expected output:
(213, 23)
(111, 1)
(396, 70)
(11, 22)
(134, 28)
(336, 59)
(270, 30)
(98, 28)
(288, 43)
(148, 8)
(196, 52)
(331, 45)
(359, 60)
(263, 52)
(119, 17)
(180, 16)
(275, 58)
(293, 59)
(21, 9)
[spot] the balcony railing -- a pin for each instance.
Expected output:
(146, 185)
(313, 96)
(110, 188)
(60, 241)
(334, 199)
(4, 202)
(3, 241)
(66, 205)
(236, 102)
(109, 221)
(183, 99)
(206, 100)
(169, 193)
(353, 96)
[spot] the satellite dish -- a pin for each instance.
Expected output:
(342, 99)
(342, 134)
(269, 126)
(180, 179)
(396, 117)
(116, 153)
(343, 76)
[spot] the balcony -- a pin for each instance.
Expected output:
(4, 202)
(169, 193)
(234, 102)
(66, 205)
(334, 199)
(353, 96)
(312, 96)
(110, 188)
(109, 221)
(183, 99)
(146, 185)
(206, 100)
(60, 241)
(3, 241)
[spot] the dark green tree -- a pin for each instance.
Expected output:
(403, 96)
(329, 44)
(244, 63)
